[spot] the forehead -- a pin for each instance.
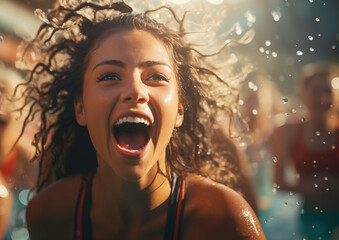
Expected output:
(319, 80)
(130, 46)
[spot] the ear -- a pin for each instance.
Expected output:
(79, 112)
(180, 116)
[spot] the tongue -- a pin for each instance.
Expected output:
(132, 141)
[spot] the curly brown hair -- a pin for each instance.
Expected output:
(62, 45)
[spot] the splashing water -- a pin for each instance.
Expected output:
(276, 15)
(300, 53)
(251, 19)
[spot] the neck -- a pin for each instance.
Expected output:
(318, 122)
(121, 196)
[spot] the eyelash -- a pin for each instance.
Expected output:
(108, 77)
(160, 77)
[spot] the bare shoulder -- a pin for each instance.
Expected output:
(216, 211)
(50, 213)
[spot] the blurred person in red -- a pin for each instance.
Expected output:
(311, 148)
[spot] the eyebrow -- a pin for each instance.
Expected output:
(121, 64)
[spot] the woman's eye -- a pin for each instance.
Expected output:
(157, 77)
(108, 77)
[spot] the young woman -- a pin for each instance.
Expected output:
(124, 138)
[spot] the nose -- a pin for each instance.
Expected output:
(135, 91)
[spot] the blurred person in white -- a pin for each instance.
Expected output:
(311, 147)
(16, 172)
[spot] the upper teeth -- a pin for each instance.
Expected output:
(132, 120)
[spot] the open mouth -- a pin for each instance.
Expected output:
(132, 133)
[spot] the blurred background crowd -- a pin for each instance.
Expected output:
(289, 102)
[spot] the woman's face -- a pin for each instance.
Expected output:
(130, 102)
(319, 94)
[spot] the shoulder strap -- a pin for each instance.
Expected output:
(176, 207)
(82, 221)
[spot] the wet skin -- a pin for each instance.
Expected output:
(130, 73)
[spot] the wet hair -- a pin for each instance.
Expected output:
(62, 48)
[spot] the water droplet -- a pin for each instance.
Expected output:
(250, 18)
(254, 111)
(310, 38)
(3, 191)
(274, 54)
(241, 102)
(274, 159)
(265, 221)
(315, 185)
(267, 52)
(1, 38)
(291, 193)
(303, 119)
(286, 114)
(311, 49)
(298, 203)
(317, 19)
(261, 49)
(316, 208)
(327, 189)
(333, 47)
(285, 204)
(268, 43)
(311, 1)
(16, 118)
(299, 53)
(238, 29)
(324, 143)
(293, 110)
(317, 133)
(284, 100)
(276, 15)
(325, 178)
(333, 147)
